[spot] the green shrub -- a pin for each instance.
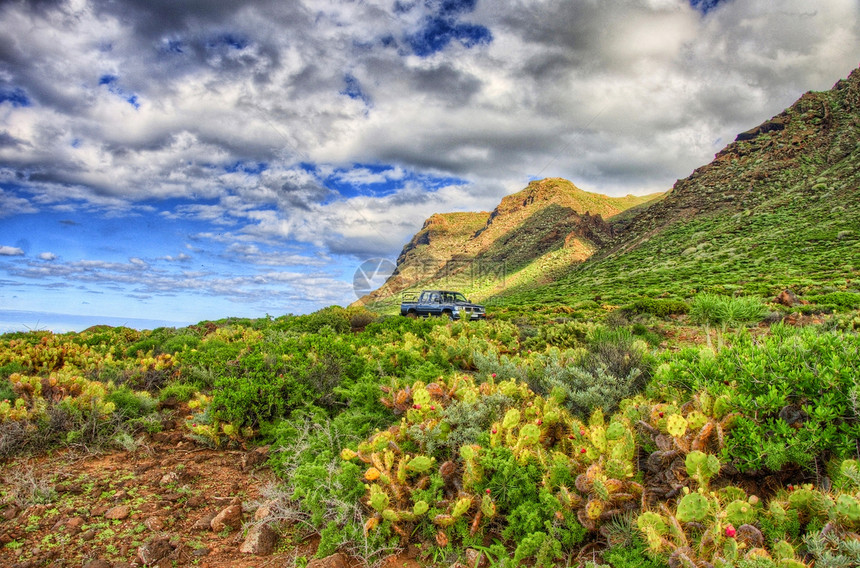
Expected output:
(632, 554)
(179, 391)
(333, 319)
(563, 335)
(844, 300)
(618, 352)
(584, 390)
(9, 369)
(658, 306)
(725, 312)
(795, 391)
(179, 343)
(6, 390)
(130, 404)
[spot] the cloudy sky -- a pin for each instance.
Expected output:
(176, 161)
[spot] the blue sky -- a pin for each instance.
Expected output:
(171, 162)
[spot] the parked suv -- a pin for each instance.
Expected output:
(453, 305)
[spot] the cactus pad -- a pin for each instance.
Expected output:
(378, 498)
(676, 425)
(420, 507)
(615, 431)
(692, 507)
(511, 419)
(420, 464)
(740, 512)
(848, 509)
(702, 467)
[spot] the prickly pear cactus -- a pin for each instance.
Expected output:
(740, 513)
(692, 507)
(655, 529)
(702, 467)
(420, 464)
(676, 425)
(847, 510)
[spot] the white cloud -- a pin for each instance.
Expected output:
(6, 250)
(181, 257)
(48, 256)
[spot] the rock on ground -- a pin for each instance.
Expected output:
(336, 560)
(230, 517)
(261, 540)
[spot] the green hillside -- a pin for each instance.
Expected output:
(778, 208)
(548, 226)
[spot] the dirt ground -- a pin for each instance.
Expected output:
(127, 508)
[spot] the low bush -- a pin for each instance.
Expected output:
(840, 300)
(795, 391)
(658, 306)
(130, 404)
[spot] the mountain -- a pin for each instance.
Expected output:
(551, 221)
(777, 208)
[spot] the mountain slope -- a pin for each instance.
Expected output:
(551, 220)
(777, 208)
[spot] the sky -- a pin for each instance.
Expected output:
(166, 162)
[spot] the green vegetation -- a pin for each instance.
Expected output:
(538, 436)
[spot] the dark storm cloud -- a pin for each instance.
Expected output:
(446, 80)
(302, 194)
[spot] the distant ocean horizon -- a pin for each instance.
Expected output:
(19, 320)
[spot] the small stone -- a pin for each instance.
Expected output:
(264, 511)
(73, 525)
(750, 535)
(97, 563)
(475, 559)
(88, 535)
(336, 560)
(99, 510)
(195, 501)
(230, 518)
(118, 513)
(154, 524)
(148, 507)
(261, 540)
(204, 523)
(255, 458)
(10, 512)
(168, 478)
(154, 550)
(199, 552)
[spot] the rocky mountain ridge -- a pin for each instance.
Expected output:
(548, 216)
